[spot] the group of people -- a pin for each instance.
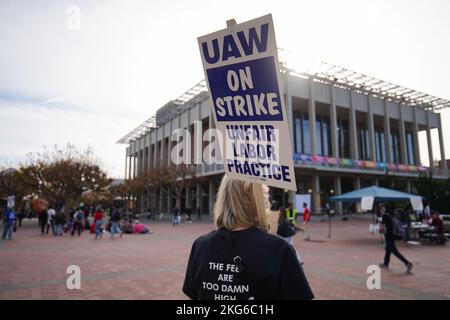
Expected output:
(77, 221)
(403, 219)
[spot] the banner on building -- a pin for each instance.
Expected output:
(243, 76)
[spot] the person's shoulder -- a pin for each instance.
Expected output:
(205, 241)
(269, 240)
(210, 236)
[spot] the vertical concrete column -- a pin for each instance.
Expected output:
(430, 146)
(211, 195)
(162, 149)
(403, 151)
(170, 201)
(312, 118)
(155, 150)
(154, 202)
(126, 162)
(211, 126)
(140, 159)
(443, 165)
(408, 186)
(169, 205)
(289, 110)
(353, 130)
(333, 124)
(199, 197)
(135, 158)
(357, 182)
(387, 132)
(169, 146)
(377, 181)
(189, 198)
(291, 198)
(160, 201)
(150, 154)
(371, 129)
(316, 193)
(198, 142)
(358, 186)
(129, 166)
(416, 139)
(338, 191)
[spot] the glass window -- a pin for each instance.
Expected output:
(306, 139)
(318, 137)
(410, 147)
(377, 145)
(326, 137)
(364, 152)
(343, 140)
(298, 134)
(395, 147)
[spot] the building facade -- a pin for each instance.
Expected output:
(348, 131)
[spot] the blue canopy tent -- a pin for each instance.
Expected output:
(379, 194)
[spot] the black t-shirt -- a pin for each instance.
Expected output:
(271, 269)
(388, 222)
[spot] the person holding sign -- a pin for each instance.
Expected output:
(241, 260)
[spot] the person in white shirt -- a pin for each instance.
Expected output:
(51, 220)
(427, 212)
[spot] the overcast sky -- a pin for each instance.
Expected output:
(93, 84)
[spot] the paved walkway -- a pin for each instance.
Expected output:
(152, 266)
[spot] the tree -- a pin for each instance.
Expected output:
(62, 175)
(174, 179)
(12, 184)
(436, 191)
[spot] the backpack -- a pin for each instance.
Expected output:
(78, 216)
(286, 229)
(397, 228)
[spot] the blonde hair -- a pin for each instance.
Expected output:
(236, 205)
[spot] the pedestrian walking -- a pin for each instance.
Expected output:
(9, 221)
(20, 216)
(176, 217)
(43, 219)
(306, 221)
(188, 214)
(59, 222)
(115, 220)
(387, 228)
(51, 220)
(241, 260)
(98, 221)
(78, 219)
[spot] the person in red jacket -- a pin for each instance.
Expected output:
(306, 220)
(98, 221)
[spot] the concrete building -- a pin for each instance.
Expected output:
(348, 130)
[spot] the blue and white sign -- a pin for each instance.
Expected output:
(243, 76)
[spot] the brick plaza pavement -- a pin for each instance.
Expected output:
(153, 266)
